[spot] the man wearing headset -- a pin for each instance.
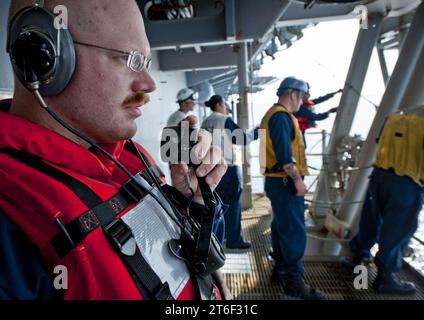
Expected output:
(71, 180)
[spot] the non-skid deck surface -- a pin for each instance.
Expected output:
(247, 273)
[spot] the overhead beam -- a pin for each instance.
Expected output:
(297, 11)
(265, 13)
(232, 24)
(394, 42)
(269, 12)
(170, 60)
(227, 79)
(194, 31)
(225, 82)
(296, 15)
(396, 23)
(259, 46)
(196, 77)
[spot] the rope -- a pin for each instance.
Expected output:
(332, 202)
(341, 170)
(361, 96)
(324, 154)
(346, 84)
(313, 236)
(312, 184)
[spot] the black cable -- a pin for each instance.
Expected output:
(157, 183)
(155, 180)
(348, 84)
(107, 154)
(144, 162)
(80, 135)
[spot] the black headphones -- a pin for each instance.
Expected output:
(38, 60)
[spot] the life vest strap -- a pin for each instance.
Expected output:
(101, 214)
(154, 170)
(82, 226)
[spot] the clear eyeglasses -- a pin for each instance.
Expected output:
(136, 61)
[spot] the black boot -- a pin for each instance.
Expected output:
(296, 287)
(407, 252)
(388, 283)
(349, 263)
(278, 277)
(242, 245)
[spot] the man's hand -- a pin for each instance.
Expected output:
(300, 187)
(336, 92)
(212, 166)
(332, 110)
(291, 170)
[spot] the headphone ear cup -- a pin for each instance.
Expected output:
(33, 48)
(35, 56)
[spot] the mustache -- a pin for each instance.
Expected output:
(138, 98)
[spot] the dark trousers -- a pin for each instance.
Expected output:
(219, 229)
(230, 189)
(288, 231)
(389, 217)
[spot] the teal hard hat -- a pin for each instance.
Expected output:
(291, 83)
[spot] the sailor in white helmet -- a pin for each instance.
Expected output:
(187, 100)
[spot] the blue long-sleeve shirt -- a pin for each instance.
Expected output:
(310, 114)
(306, 112)
(323, 98)
(22, 273)
(248, 136)
(281, 130)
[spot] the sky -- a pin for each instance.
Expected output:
(322, 57)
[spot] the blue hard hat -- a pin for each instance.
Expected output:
(291, 83)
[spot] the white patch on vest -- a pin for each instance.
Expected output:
(153, 229)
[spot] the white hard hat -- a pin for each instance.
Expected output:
(187, 94)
